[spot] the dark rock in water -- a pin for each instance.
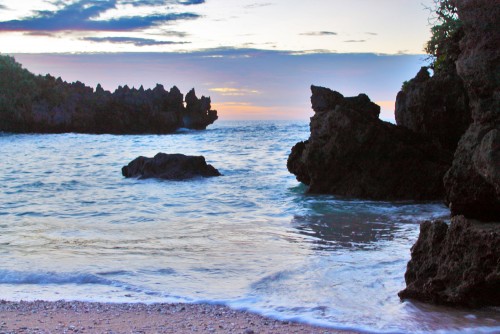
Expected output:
(437, 107)
(170, 167)
(455, 265)
(473, 182)
(351, 152)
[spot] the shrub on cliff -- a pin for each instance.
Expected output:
(443, 47)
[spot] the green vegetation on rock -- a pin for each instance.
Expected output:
(443, 47)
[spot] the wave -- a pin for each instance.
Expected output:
(20, 277)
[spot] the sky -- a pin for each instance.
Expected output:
(256, 59)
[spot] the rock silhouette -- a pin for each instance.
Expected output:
(351, 152)
(44, 104)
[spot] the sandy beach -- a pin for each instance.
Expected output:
(85, 317)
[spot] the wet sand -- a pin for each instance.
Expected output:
(84, 317)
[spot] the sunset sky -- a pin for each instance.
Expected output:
(256, 59)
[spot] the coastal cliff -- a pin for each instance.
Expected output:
(459, 264)
(351, 152)
(473, 182)
(44, 104)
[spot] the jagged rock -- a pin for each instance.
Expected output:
(170, 167)
(44, 104)
(473, 182)
(437, 107)
(351, 152)
(198, 113)
(455, 265)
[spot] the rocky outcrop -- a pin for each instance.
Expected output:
(169, 167)
(473, 182)
(455, 265)
(436, 107)
(351, 152)
(44, 104)
(460, 264)
(198, 112)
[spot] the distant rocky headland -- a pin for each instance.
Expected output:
(44, 104)
(445, 146)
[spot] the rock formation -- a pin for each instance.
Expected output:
(460, 264)
(44, 104)
(473, 182)
(455, 265)
(351, 152)
(436, 107)
(198, 111)
(169, 167)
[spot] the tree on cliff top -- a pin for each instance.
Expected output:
(17, 86)
(443, 47)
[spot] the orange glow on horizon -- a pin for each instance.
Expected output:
(248, 111)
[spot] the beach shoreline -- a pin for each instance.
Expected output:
(93, 317)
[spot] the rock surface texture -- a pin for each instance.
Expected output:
(169, 167)
(460, 264)
(455, 265)
(473, 182)
(351, 152)
(437, 107)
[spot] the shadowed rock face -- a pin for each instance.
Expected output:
(169, 167)
(437, 107)
(473, 182)
(455, 265)
(351, 152)
(460, 264)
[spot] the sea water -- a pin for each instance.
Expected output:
(72, 227)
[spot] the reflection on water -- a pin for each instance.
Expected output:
(344, 231)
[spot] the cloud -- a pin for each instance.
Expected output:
(141, 3)
(309, 52)
(3, 7)
(191, 2)
(81, 16)
(355, 41)
(371, 33)
(171, 33)
(258, 5)
(131, 40)
(229, 91)
(320, 33)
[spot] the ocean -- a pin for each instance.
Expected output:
(73, 228)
